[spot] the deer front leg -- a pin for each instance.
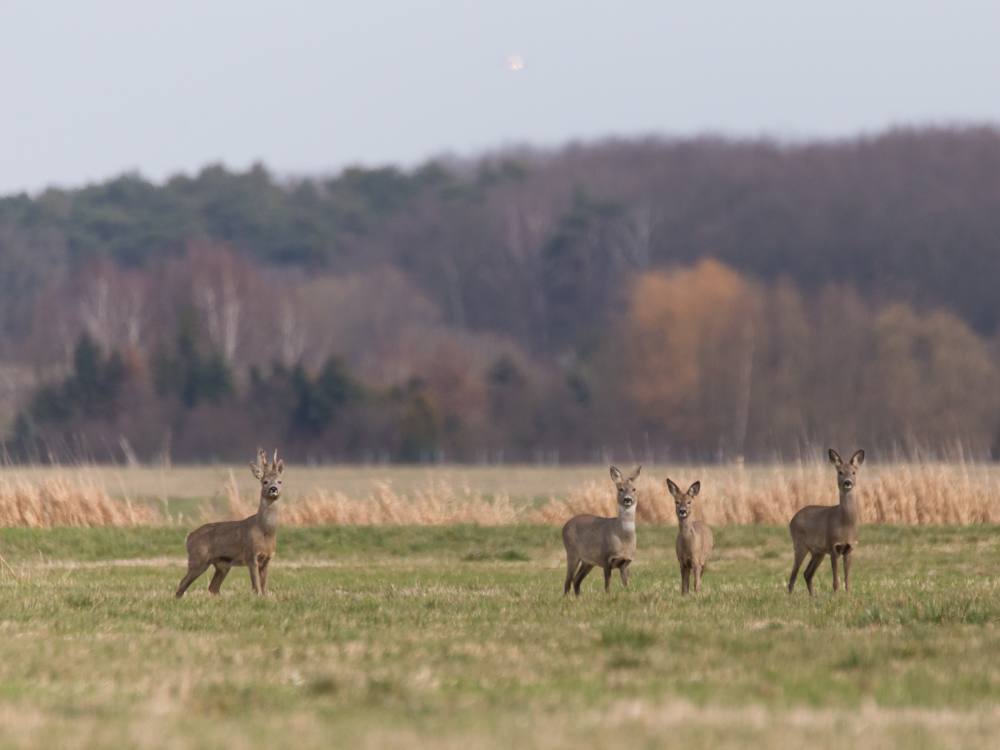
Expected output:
(697, 578)
(685, 578)
(847, 571)
(254, 574)
(624, 570)
(263, 574)
(833, 561)
(607, 577)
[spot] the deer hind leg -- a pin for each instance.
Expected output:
(580, 575)
(193, 572)
(221, 571)
(814, 561)
(572, 564)
(800, 555)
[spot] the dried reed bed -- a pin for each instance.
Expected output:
(63, 502)
(913, 494)
(437, 504)
(921, 494)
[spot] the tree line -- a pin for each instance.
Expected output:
(693, 298)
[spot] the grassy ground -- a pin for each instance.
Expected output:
(460, 637)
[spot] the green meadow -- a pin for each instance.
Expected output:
(460, 637)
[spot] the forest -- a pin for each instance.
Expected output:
(690, 299)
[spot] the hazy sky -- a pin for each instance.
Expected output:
(92, 89)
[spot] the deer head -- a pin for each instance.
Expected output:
(626, 487)
(846, 472)
(682, 500)
(269, 476)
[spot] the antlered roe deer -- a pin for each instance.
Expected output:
(694, 538)
(250, 542)
(593, 541)
(828, 529)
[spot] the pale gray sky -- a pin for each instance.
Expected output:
(91, 89)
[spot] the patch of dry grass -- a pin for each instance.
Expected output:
(58, 501)
(908, 494)
(436, 504)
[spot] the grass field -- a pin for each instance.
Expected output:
(460, 637)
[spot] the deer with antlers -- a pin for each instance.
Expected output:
(250, 542)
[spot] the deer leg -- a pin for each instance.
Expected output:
(814, 561)
(221, 571)
(263, 575)
(193, 572)
(847, 571)
(800, 555)
(254, 575)
(685, 578)
(624, 571)
(572, 563)
(580, 575)
(833, 561)
(607, 577)
(697, 578)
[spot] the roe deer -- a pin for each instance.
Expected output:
(606, 542)
(828, 529)
(249, 542)
(694, 538)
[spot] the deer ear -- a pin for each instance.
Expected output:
(857, 459)
(835, 459)
(694, 489)
(635, 474)
(257, 471)
(674, 489)
(616, 476)
(281, 466)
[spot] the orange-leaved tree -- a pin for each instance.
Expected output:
(690, 336)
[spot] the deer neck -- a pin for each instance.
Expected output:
(685, 525)
(267, 515)
(626, 518)
(848, 508)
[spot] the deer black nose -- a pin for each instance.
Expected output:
(848, 484)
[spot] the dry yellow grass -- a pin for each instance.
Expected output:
(913, 494)
(63, 502)
(437, 504)
(909, 494)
